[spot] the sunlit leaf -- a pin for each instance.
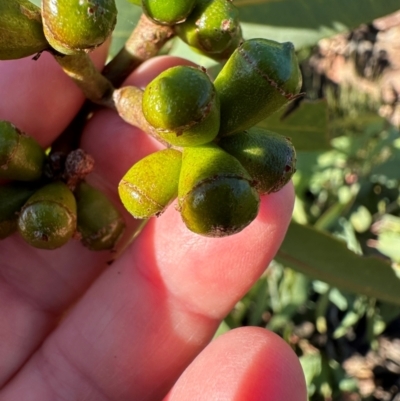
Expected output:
(325, 258)
(307, 21)
(307, 126)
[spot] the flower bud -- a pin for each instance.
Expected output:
(21, 157)
(212, 28)
(151, 184)
(21, 30)
(99, 222)
(13, 196)
(75, 26)
(259, 78)
(269, 158)
(183, 107)
(48, 218)
(167, 12)
(216, 194)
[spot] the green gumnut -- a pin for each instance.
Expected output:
(259, 78)
(99, 222)
(212, 28)
(21, 30)
(48, 218)
(21, 157)
(269, 158)
(216, 194)
(183, 107)
(13, 196)
(168, 12)
(151, 184)
(75, 26)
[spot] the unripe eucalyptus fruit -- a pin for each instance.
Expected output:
(216, 194)
(151, 184)
(212, 28)
(259, 78)
(48, 218)
(182, 105)
(13, 196)
(21, 157)
(21, 30)
(268, 157)
(168, 12)
(99, 222)
(74, 26)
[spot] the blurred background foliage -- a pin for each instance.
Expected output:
(333, 292)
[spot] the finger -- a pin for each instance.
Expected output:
(146, 318)
(38, 285)
(40, 99)
(249, 363)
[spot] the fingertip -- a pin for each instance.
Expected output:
(210, 267)
(248, 363)
(276, 209)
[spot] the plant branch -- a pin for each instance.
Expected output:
(82, 71)
(145, 42)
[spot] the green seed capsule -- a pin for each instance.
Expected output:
(99, 222)
(183, 107)
(151, 184)
(21, 157)
(12, 197)
(75, 26)
(259, 78)
(48, 219)
(168, 12)
(212, 28)
(268, 157)
(21, 30)
(216, 194)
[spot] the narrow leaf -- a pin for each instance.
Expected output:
(325, 258)
(307, 126)
(307, 21)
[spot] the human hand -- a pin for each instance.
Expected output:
(74, 328)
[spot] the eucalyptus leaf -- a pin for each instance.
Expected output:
(307, 21)
(325, 258)
(307, 125)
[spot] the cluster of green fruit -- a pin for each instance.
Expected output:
(224, 162)
(48, 212)
(217, 162)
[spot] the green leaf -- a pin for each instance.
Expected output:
(307, 126)
(222, 329)
(128, 16)
(307, 21)
(181, 49)
(312, 368)
(325, 258)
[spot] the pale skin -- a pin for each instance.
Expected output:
(73, 327)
